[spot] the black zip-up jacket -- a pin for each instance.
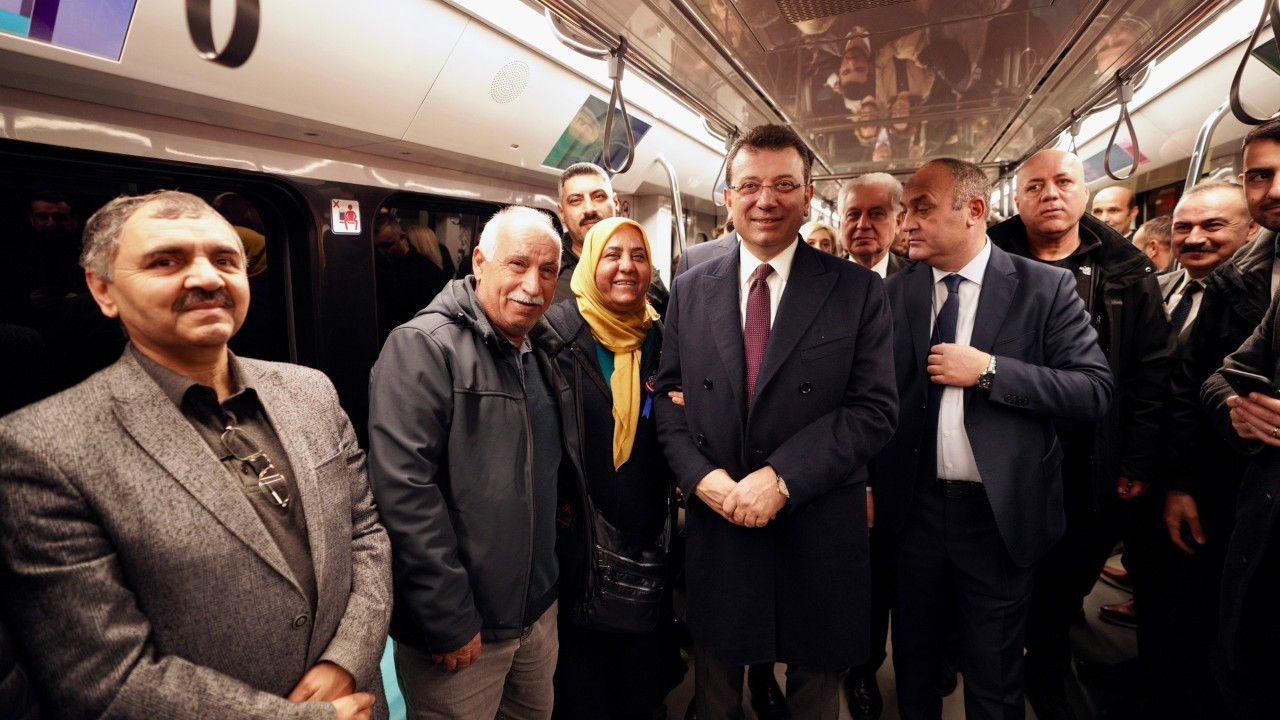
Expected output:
(1235, 298)
(451, 465)
(1139, 345)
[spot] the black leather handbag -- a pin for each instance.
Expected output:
(626, 580)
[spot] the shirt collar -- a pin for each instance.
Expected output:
(881, 268)
(781, 263)
(974, 270)
(176, 386)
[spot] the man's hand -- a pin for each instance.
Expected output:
(1256, 417)
(1129, 489)
(756, 500)
(956, 365)
(1179, 508)
(677, 397)
(358, 706)
(714, 488)
(324, 682)
(871, 509)
(460, 658)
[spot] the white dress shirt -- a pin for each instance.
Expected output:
(777, 280)
(882, 268)
(955, 454)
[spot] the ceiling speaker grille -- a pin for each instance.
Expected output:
(510, 81)
(794, 11)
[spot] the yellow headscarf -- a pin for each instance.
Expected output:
(622, 333)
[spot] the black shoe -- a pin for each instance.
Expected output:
(1047, 694)
(692, 712)
(766, 697)
(863, 693)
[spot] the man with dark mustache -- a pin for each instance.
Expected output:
(586, 198)
(1204, 472)
(1110, 463)
(199, 523)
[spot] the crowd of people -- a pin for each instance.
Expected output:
(956, 438)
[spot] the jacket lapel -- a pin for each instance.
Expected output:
(919, 307)
(152, 420)
(720, 292)
(808, 286)
(998, 285)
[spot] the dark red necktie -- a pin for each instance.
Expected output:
(755, 332)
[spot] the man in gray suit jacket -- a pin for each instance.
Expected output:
(188, 534)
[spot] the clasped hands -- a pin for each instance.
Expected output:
(751, 502)
(956, 365)
(331, 683)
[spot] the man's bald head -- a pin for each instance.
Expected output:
(1052, 196)
(1117, 207)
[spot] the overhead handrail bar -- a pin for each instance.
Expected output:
(676, 205)
(572, 43)
(616, 57)
(1202, 144)
(1269, 7)
(1124, 91)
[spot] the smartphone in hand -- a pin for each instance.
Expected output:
(1246, 382)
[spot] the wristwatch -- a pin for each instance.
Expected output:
(989, 375)
(782, 487)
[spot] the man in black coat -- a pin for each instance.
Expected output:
(991, 350)
(783, 353)
(1113, 460)
(1203, 472)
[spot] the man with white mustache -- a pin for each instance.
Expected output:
(472, 432)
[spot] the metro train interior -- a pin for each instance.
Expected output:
(439, 112)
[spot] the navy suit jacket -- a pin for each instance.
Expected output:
(1048, 365)
(796, 589)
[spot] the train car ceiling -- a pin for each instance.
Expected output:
(1184, 87)
(887, 85)
(477, 90)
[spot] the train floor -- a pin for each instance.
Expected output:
(1098, 648)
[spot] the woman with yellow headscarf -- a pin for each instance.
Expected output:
(618, 658)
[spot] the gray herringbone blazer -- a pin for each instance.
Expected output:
(141, 584)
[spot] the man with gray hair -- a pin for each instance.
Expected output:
(870, 215)
(199, 524)
(472, 433)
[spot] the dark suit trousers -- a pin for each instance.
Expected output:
(951, 551)
(811, 694)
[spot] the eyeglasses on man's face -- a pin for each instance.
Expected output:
(782, 187)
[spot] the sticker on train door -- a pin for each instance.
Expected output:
(346, 217)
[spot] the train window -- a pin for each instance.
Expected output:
(421, 243)
(52, 334)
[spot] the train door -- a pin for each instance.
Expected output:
(52, 332)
